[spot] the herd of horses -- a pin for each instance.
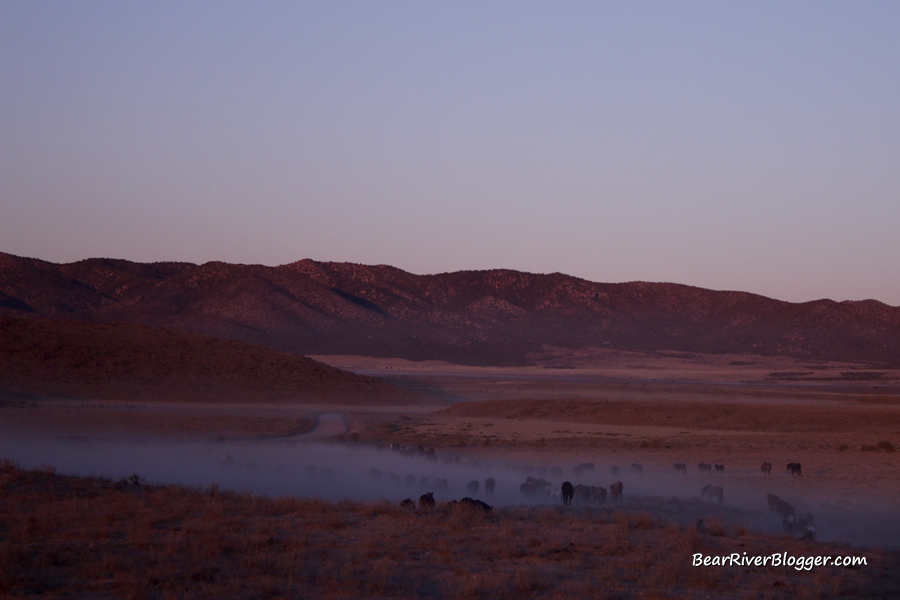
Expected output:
(766, 468)
(427, 502)
(802, 528)
(589, 493)
(540, 489)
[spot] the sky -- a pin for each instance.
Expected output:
(746, 145)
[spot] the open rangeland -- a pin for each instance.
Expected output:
(302, 500)
(95, 538)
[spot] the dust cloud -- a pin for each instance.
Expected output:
(301, 466)
(312, 465)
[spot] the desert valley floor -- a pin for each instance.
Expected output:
(841, 422)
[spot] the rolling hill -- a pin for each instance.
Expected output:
(121, 361)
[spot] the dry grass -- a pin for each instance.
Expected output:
(92, 538)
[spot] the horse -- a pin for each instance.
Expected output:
(766, 468)
(568, 492)
(802, 529)
(583, 468)
(778, 505)
(794, 468)
(476, 504)
(598, 494)
(536, 486)
(616, 491)
(713, 491)
(583, 493)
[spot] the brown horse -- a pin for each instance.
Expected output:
(598, 494)
(615, 491)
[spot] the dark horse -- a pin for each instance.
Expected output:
(794, 468)
(426, 500)
(568, 492)
(475, 504)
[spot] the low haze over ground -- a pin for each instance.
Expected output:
(741, 146)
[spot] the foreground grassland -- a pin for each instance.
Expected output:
(64, 537)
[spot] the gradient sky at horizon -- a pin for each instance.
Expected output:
(750, 146)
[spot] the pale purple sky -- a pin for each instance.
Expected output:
(749, 146)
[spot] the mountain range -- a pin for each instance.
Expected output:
(492, 317)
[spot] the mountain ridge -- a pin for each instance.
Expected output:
(496, 316)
